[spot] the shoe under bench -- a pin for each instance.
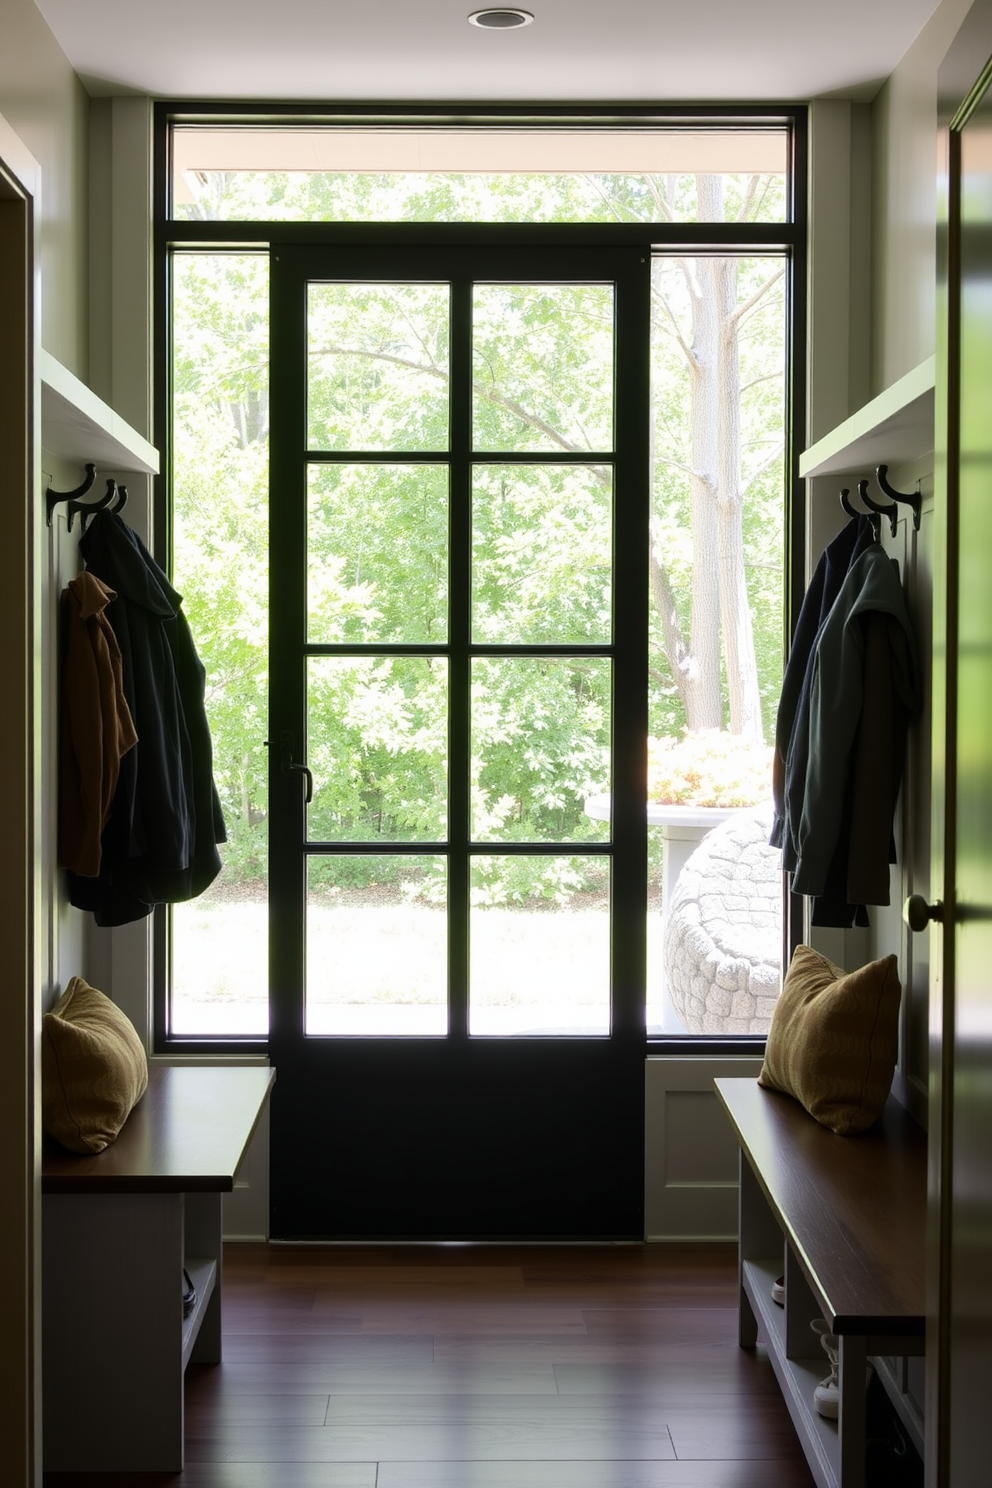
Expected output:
(844, 1219)
(117, 1230)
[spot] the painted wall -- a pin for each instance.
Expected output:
(903, 219)
(45, 109)
(44, 102)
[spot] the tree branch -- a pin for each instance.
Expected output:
(738, 315)
(677, 465)
(606, 200)
(769, 377)
(690, 357)
(776, 454)
(660, 201)
(749, 194)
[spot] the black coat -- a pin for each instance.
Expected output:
(160, 844)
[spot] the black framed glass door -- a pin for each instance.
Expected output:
(460, 493)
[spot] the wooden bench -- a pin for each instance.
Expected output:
(117, 1230)
(844, 1220)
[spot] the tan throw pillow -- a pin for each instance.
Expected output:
(834, 1039)
(93, 1069)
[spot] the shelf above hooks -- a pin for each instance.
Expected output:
(894, 428)
(79, 427)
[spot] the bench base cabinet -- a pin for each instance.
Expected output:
(835, 1450)
(117, 1231)
(115, 1342)
(829, 1214)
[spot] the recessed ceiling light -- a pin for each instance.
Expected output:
(501, 19)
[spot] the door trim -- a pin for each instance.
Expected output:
(20, 743)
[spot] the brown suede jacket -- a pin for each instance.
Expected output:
(96, 727)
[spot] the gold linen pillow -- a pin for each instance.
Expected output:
(93, 1069)
(834, 1039)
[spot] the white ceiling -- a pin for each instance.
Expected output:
(424, 50)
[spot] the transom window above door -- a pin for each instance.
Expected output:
(626, 172)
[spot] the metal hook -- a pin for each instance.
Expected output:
(52, 498)
(873, 518)
(913, 499)
(891, 511)
(121, 499)
(86, 508)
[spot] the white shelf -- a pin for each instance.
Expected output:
(797, 1378)
(203, 1275)
(894, 428)
(77, 425)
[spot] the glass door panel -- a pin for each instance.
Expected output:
(540, 746)
(377, 361)
(540, 947)
(377, 553)
(542, 367)
(376, 952)
(377, 747)
(542, 554)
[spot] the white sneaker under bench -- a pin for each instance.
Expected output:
(826, 1396)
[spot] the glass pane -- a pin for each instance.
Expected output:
(716, 556)
(220, 437)
(542, 548)
(377, 367)
(376, 946)
(327, 174)
(377, 743)
(377, 553)
(537, 384)
(540, 746)
(539, 946)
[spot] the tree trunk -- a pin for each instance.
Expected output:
(720, 608)
(702, 690)
(735, 608)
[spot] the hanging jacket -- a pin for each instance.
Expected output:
(96, 729)
(160, 843)
(851, 744)
(793, 709)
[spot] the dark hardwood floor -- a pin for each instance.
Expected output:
(481, 1367)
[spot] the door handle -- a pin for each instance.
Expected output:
(289, 766)
(918, 913)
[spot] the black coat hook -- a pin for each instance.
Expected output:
(912, 498)
(52, 498)
(873, 517)
(86, 508)
(121, 499)
(891, 511)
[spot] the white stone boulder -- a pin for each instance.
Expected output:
(723, 937)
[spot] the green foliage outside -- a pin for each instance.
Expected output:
(378, 532)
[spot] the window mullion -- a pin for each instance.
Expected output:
(459, 704)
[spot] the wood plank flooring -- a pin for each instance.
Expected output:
(481, 1367)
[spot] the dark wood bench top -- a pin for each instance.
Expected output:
(187, 1134)
(853, 1208)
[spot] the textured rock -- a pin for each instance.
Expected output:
(723, 940)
